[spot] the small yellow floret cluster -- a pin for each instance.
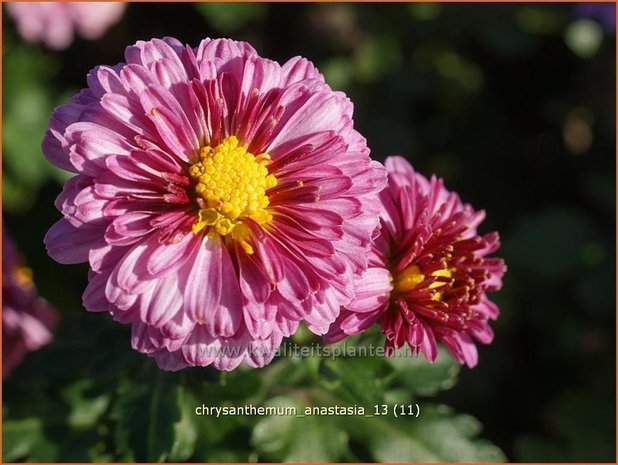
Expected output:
(232, 184)
(411, 277)
(23, 277)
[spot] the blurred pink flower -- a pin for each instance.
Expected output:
(220, 199)
(54, 23)
(428, 272)
(27, 319)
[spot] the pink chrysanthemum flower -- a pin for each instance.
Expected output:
(54, 23)
(220, 199)
(27, 319)
(428, 272)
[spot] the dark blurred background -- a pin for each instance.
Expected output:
(512, 104)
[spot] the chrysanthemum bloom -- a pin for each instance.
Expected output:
(428, 272)
(220, 199)
(27, 319)
(54, 23)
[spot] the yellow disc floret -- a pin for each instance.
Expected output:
(23, 277)
(411, 277)
(231, 183)
(408, 279)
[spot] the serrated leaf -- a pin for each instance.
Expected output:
(185, 431)
(290, 371)
(437, 435)
(85, 408)
(357, 380)
(146, 413)
(26, 439)
(299, 439)
(422, 377)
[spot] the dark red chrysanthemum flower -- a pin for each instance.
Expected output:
(428, 273)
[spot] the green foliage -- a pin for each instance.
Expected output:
(426, 379)
(25, 115)
(86, 407)
(436, 436)
(451, 87)
(229, 17)
(146, 413)
(25, 438)
(293, 439)
(185, 431)
(361, 380)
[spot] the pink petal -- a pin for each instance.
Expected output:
(163, 303)
(228, 317)
(204, 282)
(171, 361)
(128, 228)
(254, 283)
(168, 258)
(429, 347)
(298, 69)
(372, 290)
(170, 119)
(94, 298)
(223, 49)
(68, 244)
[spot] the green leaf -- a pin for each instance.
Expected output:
(422, 377)
(437, 435)
(26, 113)
(146, 412)
(185, 431)
(85, 408)
(25, 439)
(298, 439)
(358, 380)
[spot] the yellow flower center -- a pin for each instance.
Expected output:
(23, 277)
(231, 183)
(408, 279)
(411, 277)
